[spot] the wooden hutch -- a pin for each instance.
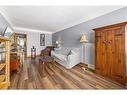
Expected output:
(4, 63)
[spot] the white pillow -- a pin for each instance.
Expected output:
(57, 50)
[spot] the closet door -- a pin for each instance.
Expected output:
(110, 52)
(100, 53)
(119, 64)
(110, 46)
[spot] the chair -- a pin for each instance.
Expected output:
(47, 51)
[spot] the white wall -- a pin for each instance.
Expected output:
(71, 36)
(33, 39)
(89, 56)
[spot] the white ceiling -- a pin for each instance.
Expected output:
(53, 18)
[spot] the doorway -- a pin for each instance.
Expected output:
(21, 41)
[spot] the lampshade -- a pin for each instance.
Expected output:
(83, 39)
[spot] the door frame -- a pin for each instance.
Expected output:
(26, 40)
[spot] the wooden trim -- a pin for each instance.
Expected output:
(8, 62)
(4, 39)
(110, 26)
(20, 33)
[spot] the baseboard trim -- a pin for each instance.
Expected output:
(91, 66)
(87, 65)
(28, 56)
(84, 65)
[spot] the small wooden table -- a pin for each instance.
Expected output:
(43, 60)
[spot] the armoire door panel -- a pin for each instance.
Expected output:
(98, 46)
(100, 55)
(103, 54)
(119, 66)
(110, 52)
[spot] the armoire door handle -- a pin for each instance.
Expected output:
(104, 42)
(109, 42)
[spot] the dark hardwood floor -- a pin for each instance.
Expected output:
(58, 77)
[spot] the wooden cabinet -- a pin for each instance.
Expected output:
(110, 52)
(15, 63)
(4, 63)
(47, 51)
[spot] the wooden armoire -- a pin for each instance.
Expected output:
(110, 52)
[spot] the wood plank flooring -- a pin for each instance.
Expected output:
(58, 77)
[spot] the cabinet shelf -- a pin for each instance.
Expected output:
(4, 85)
(2, 66)
(2, 51)
(2, 78)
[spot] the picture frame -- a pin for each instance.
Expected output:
(42, 39)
